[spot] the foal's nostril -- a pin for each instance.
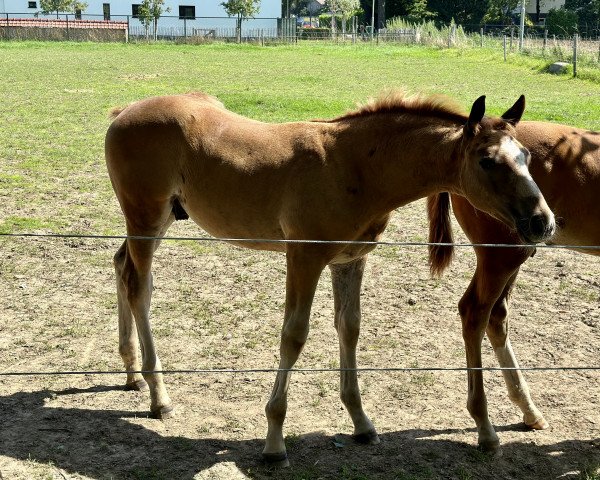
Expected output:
(538, 226)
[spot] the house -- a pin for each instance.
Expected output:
(544, 6)
(194, 14)
(315, 6)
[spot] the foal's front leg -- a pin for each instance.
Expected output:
(303, 273)
(518, 390)
(346, 280)
(475, 307)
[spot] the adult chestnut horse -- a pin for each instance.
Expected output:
(565, 163)
(174, 156)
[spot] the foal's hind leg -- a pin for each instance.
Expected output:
(518, 391)
(135, 286)
(493, 273)
(303, 273)
(128, 338)
(346, 280)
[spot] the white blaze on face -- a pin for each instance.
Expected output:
(510, 149)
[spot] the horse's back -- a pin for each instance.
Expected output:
(566, 166)
(234, 176)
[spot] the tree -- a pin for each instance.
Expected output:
(393, 8)
(345, 8)
(465, 12)
(561, 22)
(241, 9)
(149, 12)
(588, 14)
(56, 6)
(418, 13)
(500, 11)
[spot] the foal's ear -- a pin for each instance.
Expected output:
(476, 115)
(514, 113)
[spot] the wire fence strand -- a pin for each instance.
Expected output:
(217, 371)
(212, 371)
(296, 241)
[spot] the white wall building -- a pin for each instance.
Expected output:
(545, 7)
(202, 15)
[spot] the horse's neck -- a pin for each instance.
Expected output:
(403, 162)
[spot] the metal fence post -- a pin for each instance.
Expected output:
(185, 29)
(67, 20)
(545, 42)
(127, 33)
(7, 28)
(481, 33)
(575, 42)
(504, 46)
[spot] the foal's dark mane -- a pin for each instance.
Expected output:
(398, 102)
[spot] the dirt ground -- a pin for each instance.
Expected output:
(217, 306)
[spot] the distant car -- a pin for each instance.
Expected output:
(306, 22)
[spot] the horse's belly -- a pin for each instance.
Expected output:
(351, 253)
(238, 227)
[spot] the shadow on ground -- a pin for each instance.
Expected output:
(107, 445)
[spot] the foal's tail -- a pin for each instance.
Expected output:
(440, 231)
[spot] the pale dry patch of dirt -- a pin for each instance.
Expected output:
(217, 306)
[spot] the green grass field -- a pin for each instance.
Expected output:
(55, 99)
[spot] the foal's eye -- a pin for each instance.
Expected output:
(487, 163)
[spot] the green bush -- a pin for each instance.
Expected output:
(325, 20)
(320, 32)
(561, 22)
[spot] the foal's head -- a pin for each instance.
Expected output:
(495, 173)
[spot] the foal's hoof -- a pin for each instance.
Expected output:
(539, 424)
(137, 386)
(163, 413)
(277, 460)
(490, 447)
(367, 438)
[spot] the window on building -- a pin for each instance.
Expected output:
(106, 10)
(78, 14)
(135, 10)
(32, 4)
(187, 11)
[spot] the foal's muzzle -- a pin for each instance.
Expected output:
(537, 228)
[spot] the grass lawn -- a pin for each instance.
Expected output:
(56, 97)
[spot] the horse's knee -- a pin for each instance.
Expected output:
(498, 325)
(294, 334)
(293, 340)
(499, 312)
